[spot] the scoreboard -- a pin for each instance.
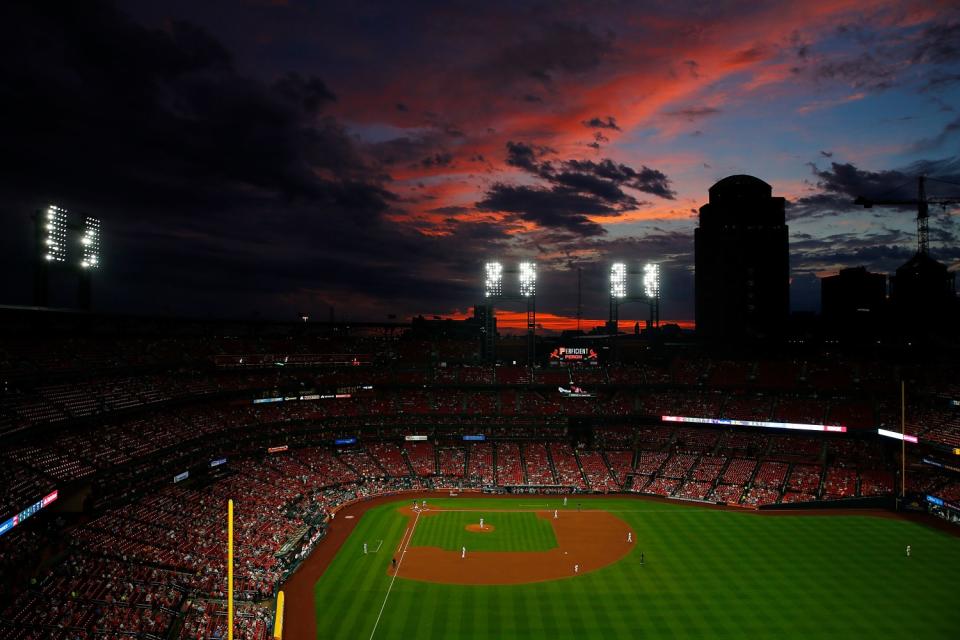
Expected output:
(573, 355)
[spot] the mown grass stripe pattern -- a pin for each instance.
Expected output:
(708, 574)
(517, 531)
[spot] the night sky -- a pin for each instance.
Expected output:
(283, 157)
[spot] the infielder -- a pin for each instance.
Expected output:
(576, 568)
(463, 552)
(629, 536)
(481, 523)
(554, 514)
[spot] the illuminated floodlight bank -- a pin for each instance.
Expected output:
(757, 423)
(528, 279)
(493, 283)
(651, 280)
(56, 236)
(618, 280)
(91, 243)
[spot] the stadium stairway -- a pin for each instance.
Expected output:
(586, 479)
(406, 461)
(523, 466)
(603, 456)
(553, 467)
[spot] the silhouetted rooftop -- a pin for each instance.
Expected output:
(738, 188)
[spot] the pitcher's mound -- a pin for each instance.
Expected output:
(487, 528)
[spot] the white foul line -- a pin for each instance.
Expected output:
(396, 571)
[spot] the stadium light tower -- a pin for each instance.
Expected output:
(90, 260)
(528, 279)
(493, 285)
(56, 236)
(493, 289)
(620, 292)
(618, 280)
(65, 246)
(528, 290)
(90, 241)
(651, 288)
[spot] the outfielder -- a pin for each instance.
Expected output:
(463, 552)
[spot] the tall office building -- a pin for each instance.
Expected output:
(854, 301)
(923, 293)
(742, 262)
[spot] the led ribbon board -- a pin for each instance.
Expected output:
(29, 511)
(757, 423)
(898, 436)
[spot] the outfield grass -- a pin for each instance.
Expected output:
(518, 531)
(707, 574)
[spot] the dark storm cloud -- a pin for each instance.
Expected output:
(841, 183)
(309, 93)
(168, 116)
(602, 123)
(575, 190)
(647, 180)
(864, 71)
(939, 43)
(526, 156)
(440, 159)
(219, 193)
(554, 48)
(552, 208)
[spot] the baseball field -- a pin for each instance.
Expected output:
(540, 569)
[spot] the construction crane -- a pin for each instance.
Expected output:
(923, 206)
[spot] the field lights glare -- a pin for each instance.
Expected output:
(651, 280)
(618, 280)
(528, 279)
(56, 239)
(493, 283)
(90, 242)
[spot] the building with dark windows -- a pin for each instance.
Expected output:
(923, 292)
(742, 262)
(854, 300)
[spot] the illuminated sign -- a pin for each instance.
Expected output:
(757, 423)
(477, 438)
(574, 392)
(312, 396)
(417, 438)
(935, 500)
(218, 462)
(574, 354)
(278, 449)
(345, 441)
(180, 477)
(29, 511)
(263, 400)
(898, 436)
(942, 465)
(956, 451)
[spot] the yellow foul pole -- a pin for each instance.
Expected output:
(230, 570)
(278, 621)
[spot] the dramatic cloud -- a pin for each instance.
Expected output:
(602, 123)
(577, 190)
(284, 157)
